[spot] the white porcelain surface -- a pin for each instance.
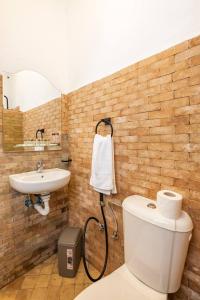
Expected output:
(138, 206)
(155, 252)
(120, 285)
(37, 183)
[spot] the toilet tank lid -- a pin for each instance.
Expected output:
(139, 207)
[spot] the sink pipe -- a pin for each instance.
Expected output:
(42, 206)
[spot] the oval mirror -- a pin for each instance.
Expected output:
(31, 113)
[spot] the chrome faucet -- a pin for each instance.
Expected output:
(40, 166)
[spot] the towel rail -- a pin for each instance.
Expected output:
(106, 121)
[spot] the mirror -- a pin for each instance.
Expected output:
(31, 113)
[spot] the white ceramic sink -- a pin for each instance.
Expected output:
(39, 183)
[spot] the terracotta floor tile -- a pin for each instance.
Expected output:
(35, 271)
(87, 280)
(15, 285)
(80, 278)
(54, 293)
(81, 267)
(88, 284)
(55, 280)
(78, 288)
(8, 295)
(43, 281)
(46, 269)
(55, 268)
(39, 294)
(49, 260)
(67, 292)
(54, 257)
(68, 281)
(24, 294)
(29, 282)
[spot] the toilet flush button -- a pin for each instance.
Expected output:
(151, 205)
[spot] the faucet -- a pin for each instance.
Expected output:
(40, 166)
(41, 131)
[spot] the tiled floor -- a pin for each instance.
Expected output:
(44, 283)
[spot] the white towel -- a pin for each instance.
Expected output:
(103, 172)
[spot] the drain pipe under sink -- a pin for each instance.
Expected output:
(44, 211)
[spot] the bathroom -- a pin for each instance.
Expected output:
(135, 62)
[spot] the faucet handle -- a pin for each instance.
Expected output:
(39, 164)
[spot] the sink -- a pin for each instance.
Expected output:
(40, 183)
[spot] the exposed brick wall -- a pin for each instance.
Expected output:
(47, 116)
(154, 106)
(64, 109)
(12, 128)
(26, 238)
(155, 110)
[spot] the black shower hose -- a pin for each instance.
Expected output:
(106, 241)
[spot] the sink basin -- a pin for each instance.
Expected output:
(40, 183)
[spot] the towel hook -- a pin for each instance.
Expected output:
(106, 121)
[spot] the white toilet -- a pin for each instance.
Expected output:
(155, 253)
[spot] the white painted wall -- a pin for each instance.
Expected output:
(33, 37)
(107, 35)
(74, 42)
(28, 89)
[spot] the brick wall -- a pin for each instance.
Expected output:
(47, 116)
(12, 128)
(154, 106)
(155, 110)
(26, 238)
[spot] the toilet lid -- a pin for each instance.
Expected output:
(120, 285)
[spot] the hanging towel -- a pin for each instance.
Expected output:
(103, 172)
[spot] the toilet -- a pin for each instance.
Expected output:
(155, 252)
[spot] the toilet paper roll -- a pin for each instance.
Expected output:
(169, 204)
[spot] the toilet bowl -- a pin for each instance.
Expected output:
(155, 251)
(120, 285)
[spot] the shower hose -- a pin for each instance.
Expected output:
(102, 205)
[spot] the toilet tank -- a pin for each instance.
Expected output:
(155, 247)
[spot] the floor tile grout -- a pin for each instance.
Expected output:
(43, 282)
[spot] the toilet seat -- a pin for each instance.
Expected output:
(120, 285)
